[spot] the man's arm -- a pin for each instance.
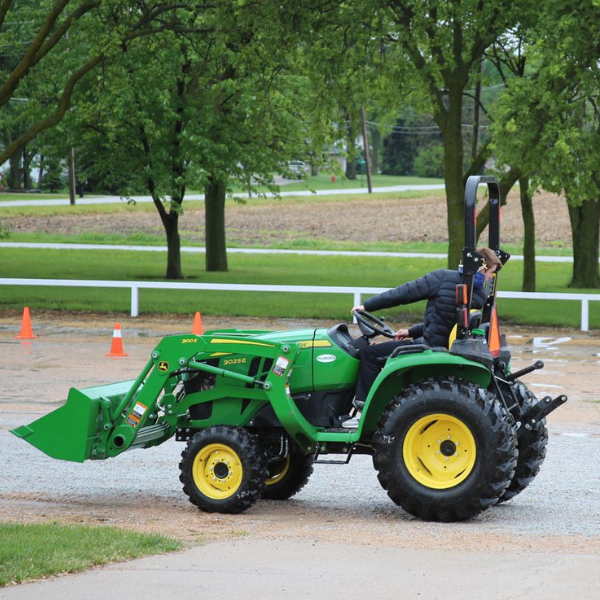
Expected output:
(407, 293)
(416, 331)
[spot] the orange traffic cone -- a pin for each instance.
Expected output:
(116, 348)
(494, 342)
(197, 328)
(26, 331)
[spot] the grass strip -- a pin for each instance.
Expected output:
(36, 551)
(384, 272)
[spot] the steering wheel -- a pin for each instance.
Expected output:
(370, 326)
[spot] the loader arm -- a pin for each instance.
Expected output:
(102, 422)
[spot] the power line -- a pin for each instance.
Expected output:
(421, 129)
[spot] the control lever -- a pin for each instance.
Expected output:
(539, 364)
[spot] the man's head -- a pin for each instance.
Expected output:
(492, 264)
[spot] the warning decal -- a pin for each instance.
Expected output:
(136, 414)
(280, 365)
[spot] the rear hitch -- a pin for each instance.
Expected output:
(538, 411)
(539, 364)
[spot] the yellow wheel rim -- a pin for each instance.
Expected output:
(281, 471)
(439, 451)
(217, 471)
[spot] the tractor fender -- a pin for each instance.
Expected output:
(404, 370)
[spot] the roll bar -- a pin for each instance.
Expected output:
(471, 260)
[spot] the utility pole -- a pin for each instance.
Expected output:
(366, 146)
(71, 163)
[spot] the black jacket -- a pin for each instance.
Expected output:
(439, 289)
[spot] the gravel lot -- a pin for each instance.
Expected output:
(557, 518)
(558, 513)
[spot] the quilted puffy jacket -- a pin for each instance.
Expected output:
(439, 289)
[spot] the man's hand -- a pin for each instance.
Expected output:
(401, 334)
(361, 307)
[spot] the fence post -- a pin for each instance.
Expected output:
(585, 314)
(357, 299)
(134, 301)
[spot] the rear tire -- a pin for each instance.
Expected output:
(531, 444)
(223, 469)
(288, 475)
(445, 450)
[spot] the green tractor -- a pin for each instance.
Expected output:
(451, 432)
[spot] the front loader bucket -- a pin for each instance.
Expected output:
(69, 432)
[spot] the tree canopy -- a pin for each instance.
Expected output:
(170, 95)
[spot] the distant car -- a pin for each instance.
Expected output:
(297, 168)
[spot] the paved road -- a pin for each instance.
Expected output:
(118, 199)
(277, 570)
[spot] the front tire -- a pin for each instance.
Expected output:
(445, 450)
(223, 469)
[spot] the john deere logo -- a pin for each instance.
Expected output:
(326, 358)
(163, 366)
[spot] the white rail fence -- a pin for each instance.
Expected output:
(356, 292)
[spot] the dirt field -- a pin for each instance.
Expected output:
(362, 219)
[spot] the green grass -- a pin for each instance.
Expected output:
(36, 551)
(257, 269)
(384, 272)
(323, 181)
(149, 239)
(6, 196)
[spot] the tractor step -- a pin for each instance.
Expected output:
(540, 410)
(333, 462)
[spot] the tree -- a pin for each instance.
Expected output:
(206, 108)
(410, 135)
(444, 43)
(548, 123)
(428, 54)
(67, 39)
(336, 49)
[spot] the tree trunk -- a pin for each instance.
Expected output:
(171, 224)
(214, 222)
(15, 175)
(375, 146)
(451, 127)
(40, 172)
(170, 221)
(27, 158)
(585, 227)
(529, 236)
(71, 172)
